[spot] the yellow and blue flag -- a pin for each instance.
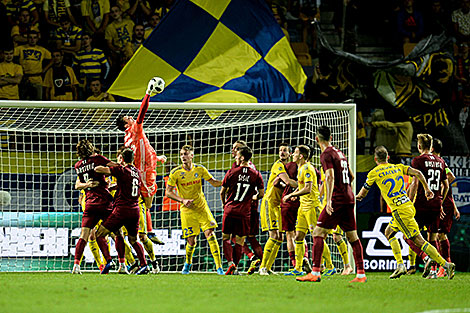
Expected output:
(215, 51)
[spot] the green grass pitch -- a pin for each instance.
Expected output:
(91, 292)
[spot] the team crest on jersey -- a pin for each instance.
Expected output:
(182, 175)
(307, 175)
(280, 168)
(196, 175)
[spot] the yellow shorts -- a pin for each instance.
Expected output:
(306, 220)
(403, 219)
(193, 221)
(142, 218)
(270, 216)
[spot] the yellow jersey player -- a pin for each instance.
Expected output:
(389, 179)
(270, 213)
(195, 213)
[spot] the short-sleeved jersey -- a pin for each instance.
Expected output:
(273, 194)
(10, 91)
(291, 170)
(189, 184)
(120, 33)
(242, 184)
(60, 80)
(128, 187)
(433, 169)
(85, 170)
(69, 37)
(335, 159)
(307, 173)
(391, 182)
(31, 58)
(95, 10)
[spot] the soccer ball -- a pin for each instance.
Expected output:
(156, 85)
(5, 198)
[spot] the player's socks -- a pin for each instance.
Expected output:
(396, 249)
(128, 253)
(306, 249)
(237, 253)
(257, 249)
(317, 254)
(81, 244)
(358, 258)
(120, 248)
(299, 255)
(433, 254)
(435, 244)
(327, 257)
(445, 249)
(412, 258)
(95, 250)
(215, 250)
(149, 248)
(419, 252)
(103, 244)
(149, 221)
(268, 249)
(246, 250)
(292, 258)
(228, 250)
(189, 253)
(272, 257)
(140, 253)
(343, 250)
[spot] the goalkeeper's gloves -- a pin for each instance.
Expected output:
(161, 158)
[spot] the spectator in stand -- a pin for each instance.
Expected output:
(137, 37)
(461, 22)
(68, 39)
(410, 23)
(282, 23)
(96, 15)
(10, 76)
(60, 82)
(98, 94)
(140, 11)
(14, 8)
(462, 70)
(35, 61)
(437, 20)
(19, 32)
(54, 11)
(463, 116)
(153, 22)
(90, 63)
(118, 37)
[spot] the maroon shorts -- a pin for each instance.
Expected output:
(289, 217)
(254, 221)
(236, 225)
(446, 223)
(343, 215)
(94, 213)
(126, 218)
(428, 219)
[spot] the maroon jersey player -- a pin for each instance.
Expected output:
(339, 208)
(240, 187)
(98, 198)
(125, 208)
(433, 169)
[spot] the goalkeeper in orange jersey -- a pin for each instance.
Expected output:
(145, 156)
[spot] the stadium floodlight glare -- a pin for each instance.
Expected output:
(40, 225)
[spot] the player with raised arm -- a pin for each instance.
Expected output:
(339, 209)
(195, 213)
(271, 219)
(389, 179)
(428, 211)
(98, 199)
(256, 255)
(240, 187)
(126, 210)
(449, 209)
(145, 156)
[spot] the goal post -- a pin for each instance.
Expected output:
(39, 213)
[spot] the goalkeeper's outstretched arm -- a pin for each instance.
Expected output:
(143, 108)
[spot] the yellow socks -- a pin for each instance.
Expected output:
(327, 256)
(189, 253)
(299, 255)
(215, 250)
(128, 253)
(149, 248)
(343, 250)
(95, 250)
(268, 248)
(433, 254)
(396, 249)
(412, 257)
(272, 257)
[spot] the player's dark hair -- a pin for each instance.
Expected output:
(127, 155)
(285, 144)
(305, 151)
(437, 146)
(245, 152)
(120, 123)
(187, 148)
(85, 148)
(119, 151)
(425, 141)
(324, 133)
(32, 32)
(381, 153)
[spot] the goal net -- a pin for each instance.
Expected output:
(40, 216)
